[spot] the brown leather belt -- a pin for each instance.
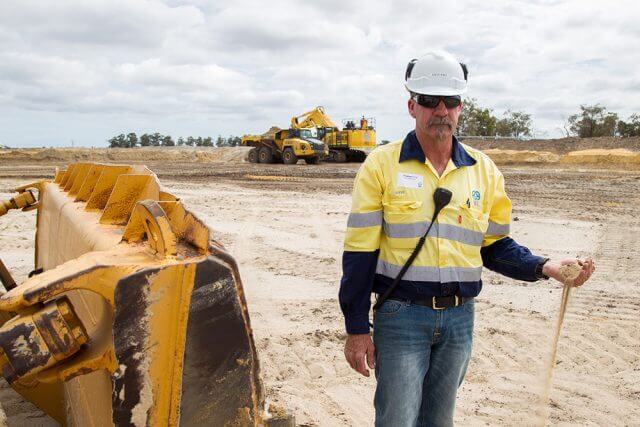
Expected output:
(439, 303)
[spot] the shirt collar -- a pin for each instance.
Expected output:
(411, 150)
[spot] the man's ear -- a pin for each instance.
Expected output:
(411, 105)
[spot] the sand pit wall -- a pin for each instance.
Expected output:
(200, 154)
(505, 157)
(621, 157)
(599, 156)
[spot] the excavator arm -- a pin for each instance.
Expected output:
(315, 118)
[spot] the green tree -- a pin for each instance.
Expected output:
(199, 141)
(475, 120)
(220, 141)
(191, 141)
(155, 139)
(113, 142)
(132, 140)
(207, 142)
(167, 141)
(145, 140)
(592, 121)
(122, 141)
(180, 141)
(514, 124)
(631, 127)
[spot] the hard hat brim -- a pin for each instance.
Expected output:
(435, 90)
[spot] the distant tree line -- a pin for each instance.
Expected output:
(591, 121)
(595, 120)
(156, 139)
(475, 120)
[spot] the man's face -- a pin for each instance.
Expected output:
(437, 123)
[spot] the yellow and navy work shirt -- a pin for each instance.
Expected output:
(392, 208)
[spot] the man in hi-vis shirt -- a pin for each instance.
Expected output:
(433, 211)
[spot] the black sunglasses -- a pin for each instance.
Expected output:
(432, 101)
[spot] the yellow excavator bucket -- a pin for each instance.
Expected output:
(133, 315)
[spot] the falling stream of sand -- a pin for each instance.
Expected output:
(569, 274)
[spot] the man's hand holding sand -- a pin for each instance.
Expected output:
(570, 271)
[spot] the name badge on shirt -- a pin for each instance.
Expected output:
(410, 180)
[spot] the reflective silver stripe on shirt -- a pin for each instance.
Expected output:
(444, 231)
(497, 229)
(431, 274)
(369, 219)
(460, 234)
(414, 229)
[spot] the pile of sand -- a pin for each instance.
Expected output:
(619, 155)
(557, 146)
(271, 133)
(140, 154)
(505, 157)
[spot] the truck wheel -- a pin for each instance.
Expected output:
(253, 155)
(312, 160)
(289, 157)
(265, 155)
(340, 157)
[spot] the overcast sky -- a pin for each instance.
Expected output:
(86, 70)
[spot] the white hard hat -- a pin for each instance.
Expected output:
(436, 73)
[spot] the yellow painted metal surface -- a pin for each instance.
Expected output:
(358, 139)
(138, 317)
(315, 118)
(21, 201)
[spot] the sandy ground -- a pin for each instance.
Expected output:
(285, 227)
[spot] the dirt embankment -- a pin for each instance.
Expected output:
(146, 154)
(588, 151)
(556, 146)
(585, 151)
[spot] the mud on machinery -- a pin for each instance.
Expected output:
(134, 315)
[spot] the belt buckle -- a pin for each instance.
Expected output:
(435, 307)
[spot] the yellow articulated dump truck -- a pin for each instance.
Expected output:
(285, 146)
(133, 315)
(351, 144)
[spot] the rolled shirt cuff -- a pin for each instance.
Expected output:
(357, 324)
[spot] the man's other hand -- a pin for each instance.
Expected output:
(552, 269)
(358, 348)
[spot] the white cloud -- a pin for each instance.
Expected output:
(94, 67)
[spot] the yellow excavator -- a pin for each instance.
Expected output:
(285, 146)
(134, 315)
(352, 143)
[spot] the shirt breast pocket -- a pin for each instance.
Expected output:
(474, 219)
(403, 211)
(404, 222)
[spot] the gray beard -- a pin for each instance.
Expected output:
(440, 132)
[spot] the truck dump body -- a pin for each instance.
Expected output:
(138, 317)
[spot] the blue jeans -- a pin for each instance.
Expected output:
(421, 359)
